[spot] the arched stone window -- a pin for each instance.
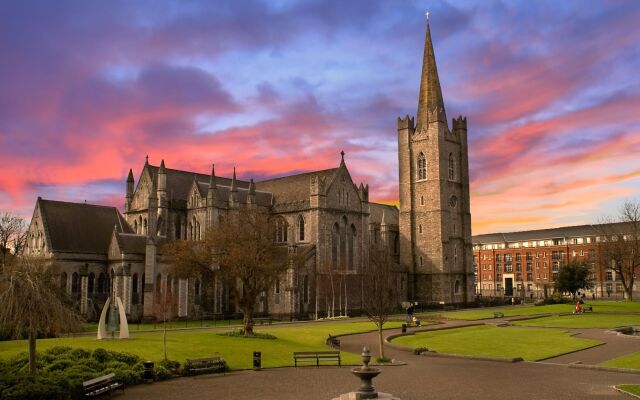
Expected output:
(452, 170)
(281, 230)
(351, 248)
(335, 243)
(456, 287)
(196, 291)
(343, 244)
(159, 230)
(134, 284)
(300, 228)
(144, 226)
(102, 283)
(135, 226)
(75, 283)
(305, 289)
(139, 231)
(422, 167)
(63, 281)
(91, 282)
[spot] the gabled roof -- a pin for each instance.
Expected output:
(294, 187)
(80, 227)
(391, 213)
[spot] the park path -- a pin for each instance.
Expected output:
(421, 378)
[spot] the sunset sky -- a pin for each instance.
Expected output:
(551, 90)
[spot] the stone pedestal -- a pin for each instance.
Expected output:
(358, 396)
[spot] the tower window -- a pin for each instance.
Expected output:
(422, 167)
(420, 228)
(451, 167)
(421, 200)
(421, 261)
(301, 228)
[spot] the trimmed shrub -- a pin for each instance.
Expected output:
(101, 355)
(39, 388)
(162, 374)
(171, 365)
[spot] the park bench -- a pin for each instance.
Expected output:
(194, 366)
(498, 314)
(587, 308)
(101, 385)
(317, 356)
(333, 341)
(262, 321)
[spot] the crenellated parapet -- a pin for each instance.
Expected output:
(406, 123)
(459, 124)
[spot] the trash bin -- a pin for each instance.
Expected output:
(257, 360)
(148, 373)
(404, 328)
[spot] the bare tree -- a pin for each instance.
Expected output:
(163, 307)
(380, 290)
(32, 304)
(241, 252)
(619, 245)
(13, 233)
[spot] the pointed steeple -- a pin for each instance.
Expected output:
(130, 176)
(146, 160)
(342, 158)
(162, 169)
(430, 102)
(212, 179)
(234, 187)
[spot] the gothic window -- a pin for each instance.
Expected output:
(135, 226)
(75, 283)
(196, 287)
(343, 244)
(176, 229)
(159, 230)
(456, 287)
(452, 171)
(305, 289)
(421, 261)
(335, 238)
(281, 230)
(420, 228)
(91, 282)
(396, 244)
(144, 226)
(455, 255)
(134, 283)
(301, 228)
(102, 283)
(421, 200)
(139, 231)
(422, 167)
(63, 281)
(351, 248)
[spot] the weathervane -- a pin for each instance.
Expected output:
(427, 14)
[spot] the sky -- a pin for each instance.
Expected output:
(551, 91)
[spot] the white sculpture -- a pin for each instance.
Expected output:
(124, 326)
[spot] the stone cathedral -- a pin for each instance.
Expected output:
(323, 216)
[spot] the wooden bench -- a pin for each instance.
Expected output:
(101, 385)
(317, 356)
(498, 314)
(587, 308)
(263, 320)
(333, 341)
(194, 366)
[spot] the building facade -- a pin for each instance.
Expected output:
(323, 216)
(524, 264)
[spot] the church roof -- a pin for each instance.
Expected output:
(130, 243)
(179, 182)
(391, 213)
(80, 227)
(294, 187)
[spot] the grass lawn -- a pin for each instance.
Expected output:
(528, 343)
(633, 389)
(510, 311)
(587, 320)
(627, 361)
(93, 326)
(194, 344)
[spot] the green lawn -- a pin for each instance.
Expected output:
(510, 311)
(193, 344)
(587, 320)
(528, 343)
(633, 389)
(93, 326)
(627, 361)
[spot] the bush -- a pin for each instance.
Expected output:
(555, 298)
(162, 374)
(39, 388)
(171, 365)
(101, 355)
(383, 360)
(127, 358)
(240, 333)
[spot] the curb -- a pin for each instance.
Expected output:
(478, 358)
(625, 392)
(573, 351)
(579, 365)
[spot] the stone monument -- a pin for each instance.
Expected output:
(366, 375)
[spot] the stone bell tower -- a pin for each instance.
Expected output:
(435, 217)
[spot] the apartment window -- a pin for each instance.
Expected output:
(529, 277)
(518, 267)
(528, 267)
(518, 257)
(556, 266)
(581, 253)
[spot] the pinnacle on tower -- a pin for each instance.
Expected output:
(130, 176)
(146, 160)
(162, 168)
(252, 187)
(234, 187)
(430, 102)
(384, 220)
(212, 179)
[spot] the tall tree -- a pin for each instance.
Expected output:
(619, 245)
(572, 278)
(241, 252)
(380, 298)
(12, 235)
(32, 304)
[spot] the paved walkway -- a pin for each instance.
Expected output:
(422, 378)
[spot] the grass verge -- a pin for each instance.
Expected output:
(511, 311)
(491, 341)
(627, 361)
(237, 351)
(631, 389)
(604, 321)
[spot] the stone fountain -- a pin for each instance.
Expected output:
(366, 374)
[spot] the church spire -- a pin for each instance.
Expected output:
(212, 179)
(234, 187)
(430, 103)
